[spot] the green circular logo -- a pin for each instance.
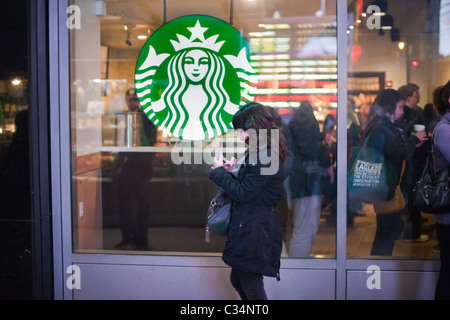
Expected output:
(193, 75)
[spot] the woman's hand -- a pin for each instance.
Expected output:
(218, 160)
(331, 174)
(422, 136)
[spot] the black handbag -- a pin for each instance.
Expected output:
(218, 215)
(431, 193)
(393, 205)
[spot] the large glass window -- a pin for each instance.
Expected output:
(17, 246)
(132, 188)
(397, 54)
(14, 116)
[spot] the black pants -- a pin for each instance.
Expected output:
(413, 227)
(250, 286)
(388, 228)
(443, 283)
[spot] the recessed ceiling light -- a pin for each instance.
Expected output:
(16, 82)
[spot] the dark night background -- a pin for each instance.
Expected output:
(13, 39)
(16, 220)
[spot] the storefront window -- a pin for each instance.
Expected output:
(133, 189)
(392, 59)
(14, 117)
(17, 245)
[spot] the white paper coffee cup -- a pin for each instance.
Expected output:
(419, 127)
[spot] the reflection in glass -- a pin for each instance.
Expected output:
(131, 175)
(18, 246)
(310, 172)
(393, 45)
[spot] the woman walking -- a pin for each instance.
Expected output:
(254, 243)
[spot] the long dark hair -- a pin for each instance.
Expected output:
(256, 116)
(388, 99)
(441, 96)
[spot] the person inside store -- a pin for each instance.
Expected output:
(254, 241)
(432, 116)
(363, 106)
(417, 154)
(441, 155)
(131, 176)
(311, 171)
(353, 125)
(284, 206)
(384, 135)
(354, 130)
(15, 197)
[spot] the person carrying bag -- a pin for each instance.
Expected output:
(385, 148)
(254, 238)
(371, 177)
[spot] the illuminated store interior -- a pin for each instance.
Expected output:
(334, 55)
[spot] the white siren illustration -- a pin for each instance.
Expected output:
(194, 85)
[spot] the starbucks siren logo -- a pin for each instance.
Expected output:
(193, 75)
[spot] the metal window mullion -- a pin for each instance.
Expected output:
(59, 95)
(341, 231)
(165, 12)
(55, 171)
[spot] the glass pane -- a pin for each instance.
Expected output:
(17, 247)
(294, 50)
(149, 188)
(397, 55)
(14, 116)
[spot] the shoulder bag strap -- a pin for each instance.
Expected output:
(403, 171)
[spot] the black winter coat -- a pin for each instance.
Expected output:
(255, 236)
(387, 138)
(308, 156)
(416, 157)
